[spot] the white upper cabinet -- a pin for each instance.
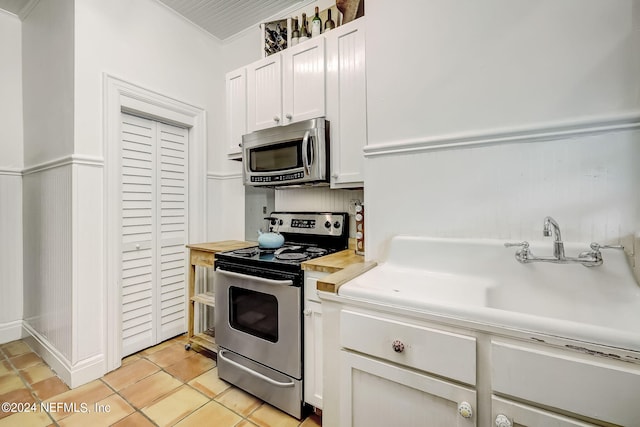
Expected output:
(347, 102)
(236, 85)
(264, 93)
(303, 84)
(287, 87)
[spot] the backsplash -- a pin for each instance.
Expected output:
(319, 199)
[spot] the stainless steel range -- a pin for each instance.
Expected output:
(259, 301)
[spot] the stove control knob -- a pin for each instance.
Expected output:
(336, 224)
(327, 224)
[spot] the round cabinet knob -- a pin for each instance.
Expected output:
(327, 224)
(503, 421)
(307, 312)
(465, 410)
(276, 119)
(397, 346)
(137, 245)
(336, 224)
(289, 116)
(334, 176)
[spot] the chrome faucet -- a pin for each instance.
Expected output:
(590, 258)
(558, 246)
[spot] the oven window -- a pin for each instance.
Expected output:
(254, 312)
(276, 157)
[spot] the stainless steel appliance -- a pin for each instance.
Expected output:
(259, 301)
(287, 155)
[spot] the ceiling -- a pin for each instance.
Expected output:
(221, 18)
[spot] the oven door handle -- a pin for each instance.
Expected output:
(250, 371)
(256, 278)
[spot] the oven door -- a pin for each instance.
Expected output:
(260, 319)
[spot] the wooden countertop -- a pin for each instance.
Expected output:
(224, 245)
(343, 266)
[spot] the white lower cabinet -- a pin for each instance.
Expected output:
(377, 393)
(507, 413)
(397, 369)
(313, 361)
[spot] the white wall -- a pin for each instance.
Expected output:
(451, 66)
(11, 150)
(48, 74)
(501, 114)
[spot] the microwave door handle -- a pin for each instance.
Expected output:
(306, 162)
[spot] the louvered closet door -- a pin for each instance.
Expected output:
(153, 232)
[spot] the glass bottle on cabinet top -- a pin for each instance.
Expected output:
(295, 34)
(316, 24)
(329, 24)
(304, 33)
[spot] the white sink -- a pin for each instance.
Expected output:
(481, 281)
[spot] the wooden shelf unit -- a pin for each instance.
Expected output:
(203, 255)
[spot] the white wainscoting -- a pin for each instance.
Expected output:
(588, 182)
(64, 268)
(48, 254)
(10, 255)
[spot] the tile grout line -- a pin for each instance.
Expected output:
(28, 387)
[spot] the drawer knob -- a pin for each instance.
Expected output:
(306, 312)
(397, 346)
(502, 421)
(465, 410)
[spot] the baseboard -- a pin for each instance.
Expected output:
(74, 375)
(11, 331)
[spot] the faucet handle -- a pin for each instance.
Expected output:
(524, 245)
(597, 246)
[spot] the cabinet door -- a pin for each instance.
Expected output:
(313, 353)
(381, 394)
(264, 93)
(347, 103)
(303, 81)
(519, 415)
(236, 95)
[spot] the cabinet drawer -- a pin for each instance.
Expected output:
(442, 353)
(592, 388)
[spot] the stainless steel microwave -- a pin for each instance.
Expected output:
(287, 155)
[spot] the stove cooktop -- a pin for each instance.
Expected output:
(290, 253)
(308, 235)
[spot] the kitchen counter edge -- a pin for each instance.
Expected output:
(343, 266)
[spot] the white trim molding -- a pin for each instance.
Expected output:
(541, 132)
(221, 176)
(11, 331)
(73, 375)
(11, 171)
(73, 159)
(121, 96)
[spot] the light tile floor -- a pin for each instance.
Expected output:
(163, 385)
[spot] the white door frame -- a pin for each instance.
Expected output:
(121, 96)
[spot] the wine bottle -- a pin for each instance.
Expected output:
(295, 34)
(304, 33)
(316, 24)
(329, 24)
